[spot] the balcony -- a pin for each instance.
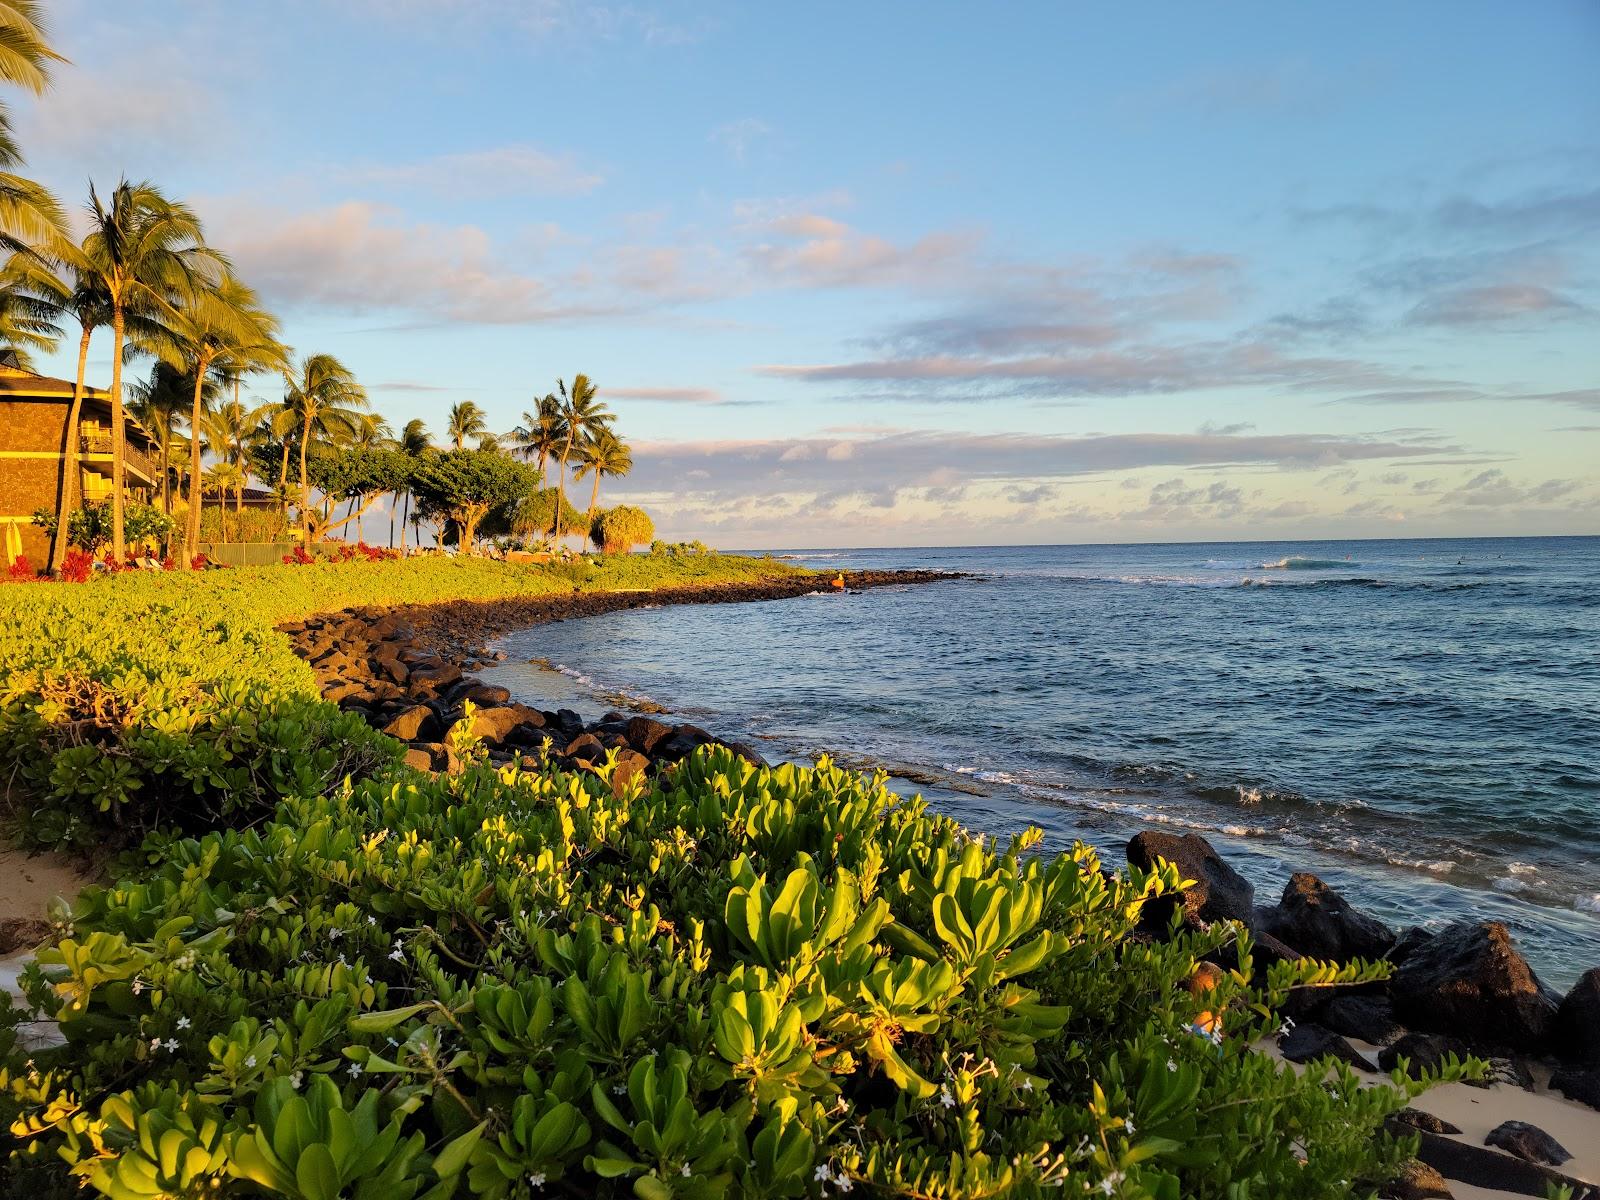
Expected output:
(95, 446)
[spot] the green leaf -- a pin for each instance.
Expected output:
(453, 1157)
(387, 1019)
(316, 1175)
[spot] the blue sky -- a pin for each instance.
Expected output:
(918, 274)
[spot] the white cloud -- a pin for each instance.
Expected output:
(516, 170)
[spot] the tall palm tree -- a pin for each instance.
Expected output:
(413, 440)
(142, 250)
(214, 332)
(542, 431)
(467, 420)
(585, 417)
(324, 393)
(230, 430)
(65, 294)
(602, 455)
(159, 404)
(29, 214)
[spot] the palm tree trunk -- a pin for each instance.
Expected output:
(561, 490)
(191, 541)
(404, 521)
(394, 501)
(594, 495)
(67, 497)
(119, 449)
(305, 486)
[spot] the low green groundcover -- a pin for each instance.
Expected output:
(730, 982)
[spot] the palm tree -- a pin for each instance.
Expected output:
(231, 429)
(158, 404)
(221, 478)
(214, 332)
(602, 455)
(328, 400)
(542, 431)
(585, 417)
(467, 420)
(27, 322)
(142, 251)
(29, 214)
(413, 440)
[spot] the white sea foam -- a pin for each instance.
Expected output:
(1522, 868)
(1588, 903)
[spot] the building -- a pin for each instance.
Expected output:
(33, 446)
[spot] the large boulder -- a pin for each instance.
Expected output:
(413, 723)
(1470, 981)
(1577, 1031)
(643, 734)
(1370, 1018)
(1320, 923)
(1219, 893)
(1578, 1083)
(497, 726)
(1527, 1142)
(1422, 1052)
(1308, 1043)
(1416, 1181)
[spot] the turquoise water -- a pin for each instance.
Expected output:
(1418, 722)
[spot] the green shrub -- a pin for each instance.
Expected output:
(89, 526)
(729, 983)
(150, 699)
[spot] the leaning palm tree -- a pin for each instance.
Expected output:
(29, 215)
(467, 420)
(542, 432)
(585, 417)
(602, 455)
(323, 392)
(142, 250)
(214, 331)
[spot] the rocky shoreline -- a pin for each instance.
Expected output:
(405, 670)
(1461, 990)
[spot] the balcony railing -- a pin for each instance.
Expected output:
(98, 441)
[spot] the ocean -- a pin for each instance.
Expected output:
(1418, 722)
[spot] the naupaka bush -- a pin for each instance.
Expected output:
(727, 982)
(158, 699)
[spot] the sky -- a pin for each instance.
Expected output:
(915, 274)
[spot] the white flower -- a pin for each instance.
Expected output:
(1171, 1065)
(355, 1068)
(822, 1174)
(1108, 1185)
(1127, 1123)
(945, 1098)
(138, 985)
(296, 1079)
(372, 920)
(397, 955)
(536, 1179)
(1027, 1084)
(183, 1022)
(842, 1181)
(618, 1089)
(155, 1043)
(686, 1172)
(172, 1045)
(335, 934)
(251, 1061)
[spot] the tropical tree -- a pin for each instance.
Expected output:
(584, 417)
(159, 404)
(466, 485)
(29, 215)
(220, 478)
(542, 432)
(214, 332)
(324, 395)
(142, 250)
(64, 295)
(602, 455)
(27, 322)
(412, 441)
(618, 530)
(467, 420)
(231, 430)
